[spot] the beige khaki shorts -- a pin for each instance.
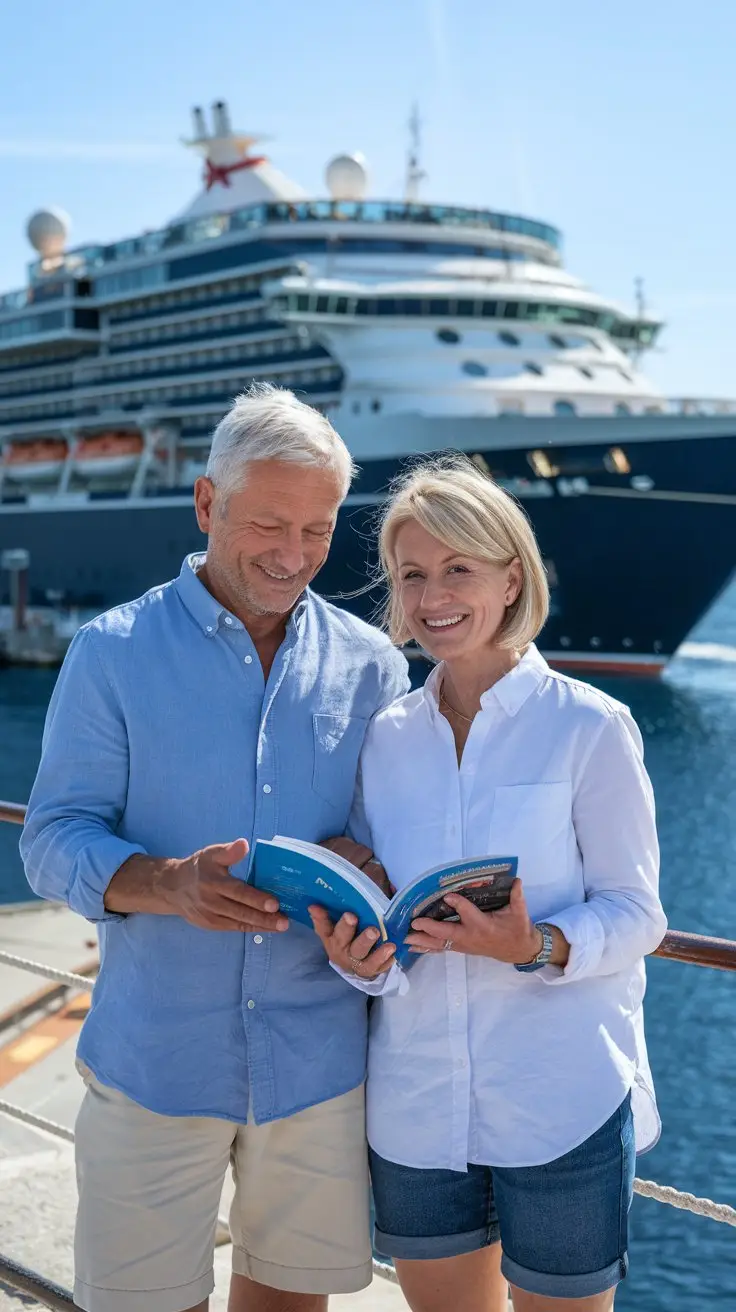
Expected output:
(150, 1187)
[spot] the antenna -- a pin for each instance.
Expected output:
(641, 310)
(414, 172)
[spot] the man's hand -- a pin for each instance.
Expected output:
(361, 856)
(199, 888)
(507, 935)
(356, 955)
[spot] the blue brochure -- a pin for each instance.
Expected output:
(303, 874)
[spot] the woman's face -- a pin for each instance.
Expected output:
(453, 604)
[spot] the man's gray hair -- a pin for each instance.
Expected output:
(271, 423)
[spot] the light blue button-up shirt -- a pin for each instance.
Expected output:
(161, 738)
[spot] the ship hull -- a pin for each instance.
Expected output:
(634, 559)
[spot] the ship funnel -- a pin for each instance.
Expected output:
(200, 127)
(221, 119)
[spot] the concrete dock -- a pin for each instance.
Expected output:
(37, 1183)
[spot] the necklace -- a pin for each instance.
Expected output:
(467, 718)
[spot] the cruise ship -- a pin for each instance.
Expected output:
(419, 328)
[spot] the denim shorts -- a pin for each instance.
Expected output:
(563, 1226)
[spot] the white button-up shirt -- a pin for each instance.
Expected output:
(471, 1060)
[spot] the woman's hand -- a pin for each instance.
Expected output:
(356, 955)
(507, 935)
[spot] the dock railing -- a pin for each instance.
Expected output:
(692, 949)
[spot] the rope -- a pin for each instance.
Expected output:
(40, 1122)
(687, 1202)
(35, 1286)
(47, 972)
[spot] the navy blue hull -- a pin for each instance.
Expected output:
(631, 570)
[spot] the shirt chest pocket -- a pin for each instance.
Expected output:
(337, 743)
(534, 822)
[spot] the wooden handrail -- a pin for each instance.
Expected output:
(13, 812)
(698, 950)
(695, 949)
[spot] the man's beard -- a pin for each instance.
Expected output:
(243, 591)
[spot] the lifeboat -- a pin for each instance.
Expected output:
(37, 461)
(107, 455)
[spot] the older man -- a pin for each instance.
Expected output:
(226, 705)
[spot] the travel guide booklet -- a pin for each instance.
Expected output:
(303, 874)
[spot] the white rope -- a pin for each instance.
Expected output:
(40, 1122)
(687, 1202)
(47, 972)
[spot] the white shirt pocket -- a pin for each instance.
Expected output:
(534, 822)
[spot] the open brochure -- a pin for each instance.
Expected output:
(303, 874)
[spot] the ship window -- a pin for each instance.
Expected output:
(626, 375)
(509, 339)
(587, 373)
(322, 302)
(543, 466)
(474, 369)
(615, 460)
(533, 368)
(489, 309)
(565, 408)
(375, 406)
(622, 409)
(341, 305)
(466, 308)
(555, 340)
(441, 307)
(448, 335)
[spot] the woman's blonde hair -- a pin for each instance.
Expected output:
(463, 508)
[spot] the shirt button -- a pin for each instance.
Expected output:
(266, 788)
(228, 619)
(258, 938)
(251, 1004)
(248, 660)
(209, 628)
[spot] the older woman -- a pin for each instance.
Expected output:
(508, 1083)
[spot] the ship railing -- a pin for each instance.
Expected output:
(693, 949)
(696, 405)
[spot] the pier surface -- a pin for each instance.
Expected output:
(38, 1194)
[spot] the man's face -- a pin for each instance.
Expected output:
(268, 540)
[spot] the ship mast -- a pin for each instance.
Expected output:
(414, 172)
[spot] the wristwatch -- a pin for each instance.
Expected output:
(545, 952)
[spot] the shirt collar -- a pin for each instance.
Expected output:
(510, 692)
(207, 611)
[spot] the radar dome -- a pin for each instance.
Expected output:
(47, 232)
(346, 177)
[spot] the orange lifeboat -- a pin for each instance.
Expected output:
(36, 461)
(107, 455)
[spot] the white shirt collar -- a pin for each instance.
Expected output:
(510, 692)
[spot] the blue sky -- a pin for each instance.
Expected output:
(615, 122)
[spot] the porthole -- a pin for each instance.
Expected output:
(509, 339)
(587, 373)
(532, 368)
(622, 408)
(474, 369)
(564, 408)
(448, 335)
(555, 340)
